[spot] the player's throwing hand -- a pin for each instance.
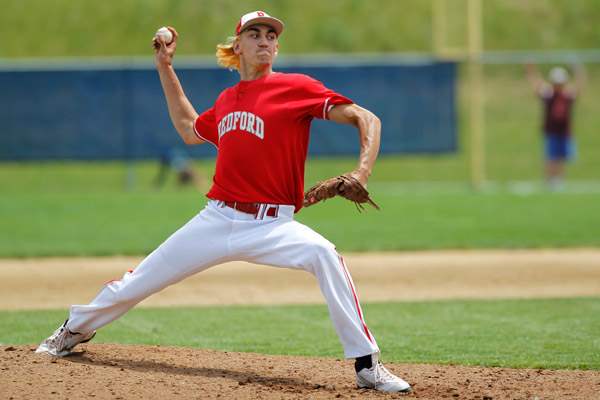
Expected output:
(165, 51)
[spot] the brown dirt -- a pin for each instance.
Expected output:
(144, 372)
(59, 282)
(136, 372)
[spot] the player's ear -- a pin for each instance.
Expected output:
(276, 48)
(236, 46)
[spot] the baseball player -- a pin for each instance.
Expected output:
(260, 128)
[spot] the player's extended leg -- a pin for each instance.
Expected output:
(287, 243)
(198, 245)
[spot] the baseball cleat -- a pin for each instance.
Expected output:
(379, 378)
(62, 341)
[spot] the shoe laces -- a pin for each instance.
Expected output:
(383, 375)
(57, 340)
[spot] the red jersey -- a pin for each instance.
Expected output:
(261, 131)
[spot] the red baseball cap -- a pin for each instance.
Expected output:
(259, 17)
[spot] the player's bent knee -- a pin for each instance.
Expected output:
(322, 248)
(322, 254)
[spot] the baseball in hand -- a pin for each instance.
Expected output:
(165, 34)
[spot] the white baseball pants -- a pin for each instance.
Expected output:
(219, 234)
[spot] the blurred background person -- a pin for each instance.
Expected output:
(178, 160)
(558, 96)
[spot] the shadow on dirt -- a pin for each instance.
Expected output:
(150, 366)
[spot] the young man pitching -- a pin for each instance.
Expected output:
(260, 128)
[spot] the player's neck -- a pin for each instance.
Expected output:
(250, 73)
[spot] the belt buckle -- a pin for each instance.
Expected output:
(258, 210)
(272, 210)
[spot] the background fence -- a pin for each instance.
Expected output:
(84, 112)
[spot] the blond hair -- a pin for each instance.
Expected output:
(226, 57)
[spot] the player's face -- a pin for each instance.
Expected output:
(258, 45)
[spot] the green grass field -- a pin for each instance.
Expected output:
(83, 209)
(97, 224)
(89, 28)
(512, 333)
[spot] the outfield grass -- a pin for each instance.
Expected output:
(90, 28)
(412, 217)
(509, 333)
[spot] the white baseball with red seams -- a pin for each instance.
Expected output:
(165, 34)
(261, 129)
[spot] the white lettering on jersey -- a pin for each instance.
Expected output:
(236, 118)
(260, 128)
(220, 128)
(229, 123)
(243, 120)
(250, 125)
(248, 122)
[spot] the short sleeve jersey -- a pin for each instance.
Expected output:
(261, 131)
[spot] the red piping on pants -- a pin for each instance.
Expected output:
(355, 298)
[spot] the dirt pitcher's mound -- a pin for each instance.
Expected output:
(154, 372)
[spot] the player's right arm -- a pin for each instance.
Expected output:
(541, 88)
(182, 113)
(539, 85)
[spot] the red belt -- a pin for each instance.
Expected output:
(253, 208)
(248, 208)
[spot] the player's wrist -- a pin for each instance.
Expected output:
(360, 177)
(164, 63)
(362, 174)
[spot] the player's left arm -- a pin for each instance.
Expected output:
(369, 132)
